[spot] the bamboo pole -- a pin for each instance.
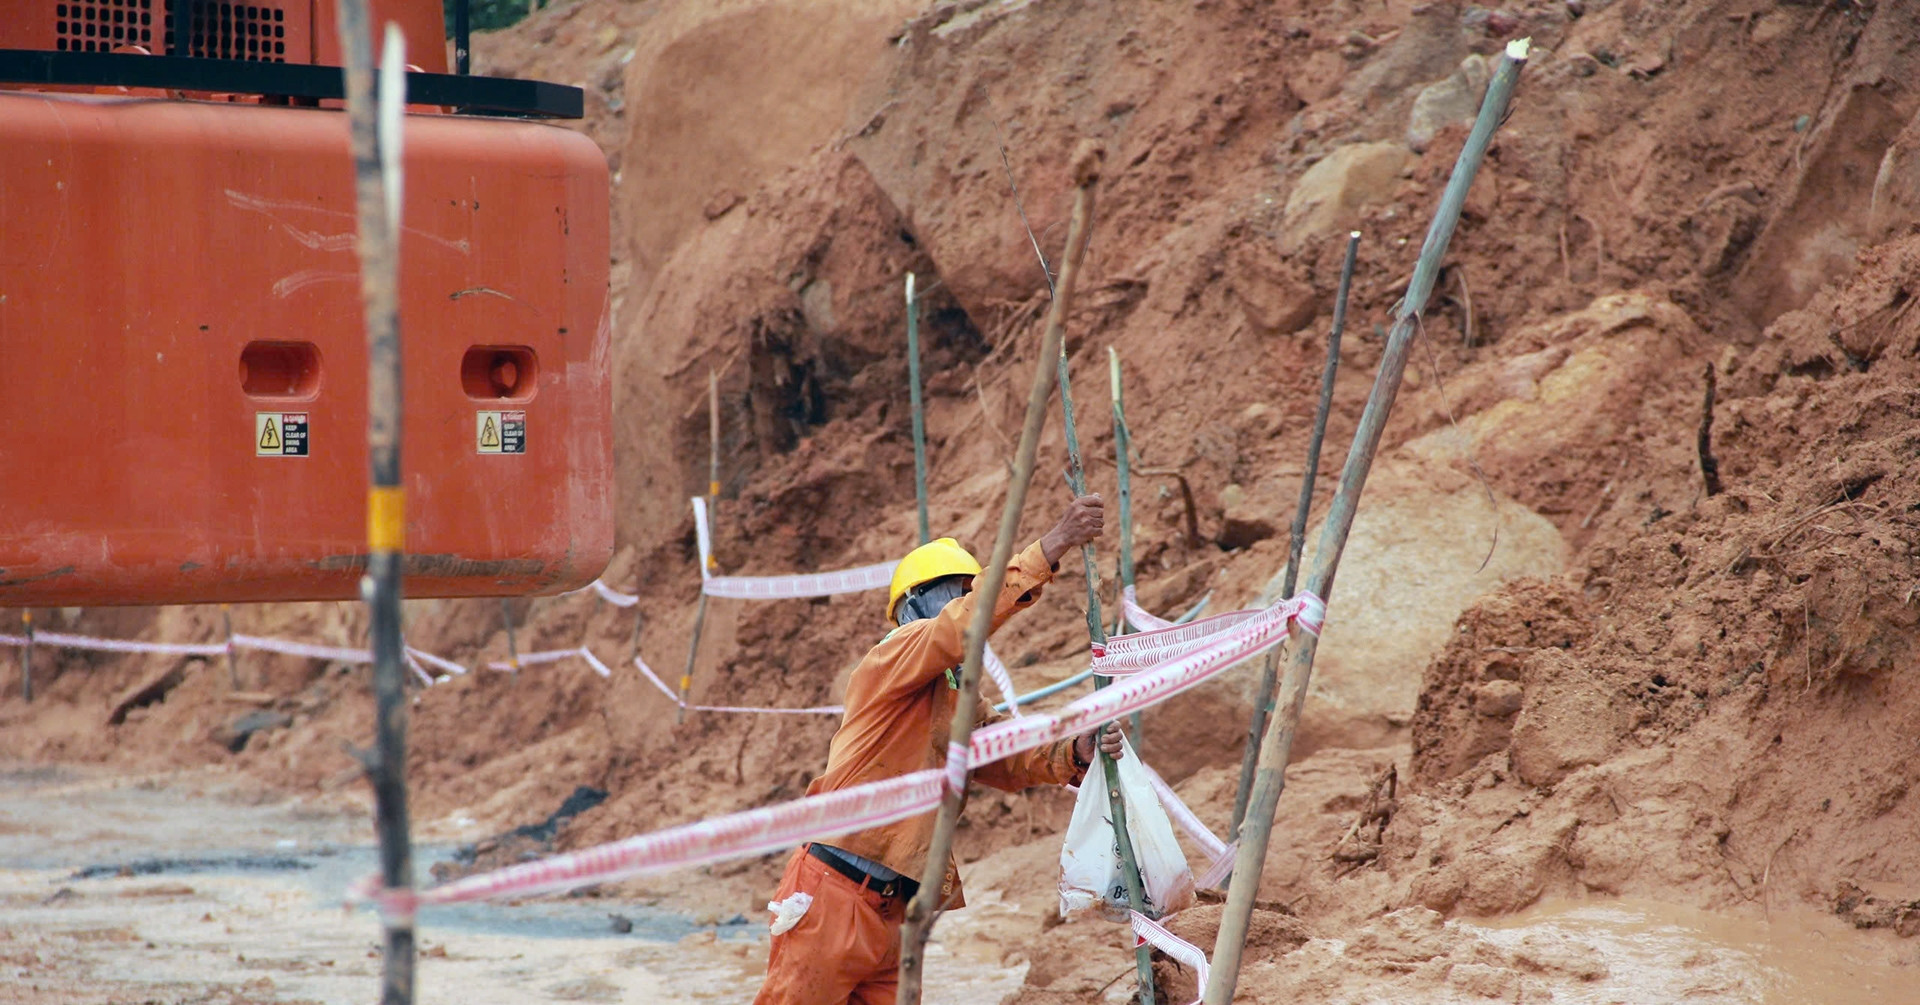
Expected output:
(713, 494)
(376, 136)
(1263, 704)
(1097, 635)
(1277, 744)
(919, 412)
(1122, 450)
(923, 910)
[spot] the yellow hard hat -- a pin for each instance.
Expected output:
(930, 561)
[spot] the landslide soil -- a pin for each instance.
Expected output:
(1707, 703)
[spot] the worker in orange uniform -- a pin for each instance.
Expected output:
(850, 896)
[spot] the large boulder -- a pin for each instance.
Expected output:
(1422, 549)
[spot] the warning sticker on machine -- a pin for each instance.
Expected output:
(280, 434)
(500, 432)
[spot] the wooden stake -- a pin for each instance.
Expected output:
(1263, 704)
(513, 647)
(1709, 464)
(1277, 745)
(233, 668)
(26, 657)
(919, 413)
(1097, 634)
(923, 911)
(376, 135)
(713, 494)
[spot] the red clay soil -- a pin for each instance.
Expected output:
(1708, 706)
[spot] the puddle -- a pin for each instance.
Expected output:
(1654, 952)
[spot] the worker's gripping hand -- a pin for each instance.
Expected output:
(1109, 743)
(1080, 524)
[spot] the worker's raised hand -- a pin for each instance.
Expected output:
(1080, 524)
(1109, 743)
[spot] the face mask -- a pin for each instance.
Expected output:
(930, 599)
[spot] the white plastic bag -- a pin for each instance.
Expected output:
(1090, 878)
(787, 913)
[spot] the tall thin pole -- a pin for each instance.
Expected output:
(233, 665)
(1263, 704)
(924, 909)
(26, 656)
(919, 412)
(513, 646)
(1277, 745)
(376, 135)
(713, 493)
(1123, 462)
(1097, 635)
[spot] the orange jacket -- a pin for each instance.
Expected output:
(900, 708)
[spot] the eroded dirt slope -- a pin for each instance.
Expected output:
(1645, 690)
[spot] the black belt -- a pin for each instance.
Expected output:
(900, 886)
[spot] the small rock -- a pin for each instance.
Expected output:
(620, 923)
(436, 953)
(236, 733)
(1329, 196)
(1497, 698)
(1261, 420)
(1455, 99)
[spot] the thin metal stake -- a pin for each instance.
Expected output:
(919, 413)
(1269, 671)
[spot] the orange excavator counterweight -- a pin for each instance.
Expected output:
(183, 372)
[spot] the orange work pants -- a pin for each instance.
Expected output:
(846, 948)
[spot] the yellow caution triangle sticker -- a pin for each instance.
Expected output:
(269, 437)
(490, 434)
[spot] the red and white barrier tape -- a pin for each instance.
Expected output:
(1147, 931)
(771, 828)
(555, 656)
(88, 642)
(1129, 654)
(1139, 617)
(819, 584)
(997, 671)
(607, 593)
(674, 697)
(736, 835)
(1219, 853)
(1176, 674)
(442, 664)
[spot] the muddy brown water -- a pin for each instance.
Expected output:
(1655, 952)
(228, 899)
(233, 900)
